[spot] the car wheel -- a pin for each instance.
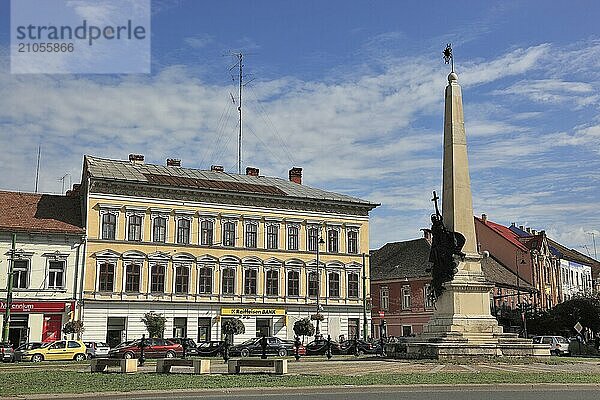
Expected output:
(282, 352)
(360, 353)
(170, 354)
(89, 356)
(37, 358)
(80, 357)
(245, 352)
(128, 355)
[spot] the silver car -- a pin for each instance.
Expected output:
(559, 346)
(97, 349)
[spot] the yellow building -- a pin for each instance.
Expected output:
(201, 246)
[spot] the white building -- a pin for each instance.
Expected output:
(46, 260)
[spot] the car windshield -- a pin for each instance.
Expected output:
(46, 344)
(561, 339)
(249, 341)
(102, 344)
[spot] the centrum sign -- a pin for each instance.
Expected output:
(252, 311)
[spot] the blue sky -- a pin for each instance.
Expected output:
(352, 91)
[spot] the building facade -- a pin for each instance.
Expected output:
(46, 262)
(577, 271)
(203, 246)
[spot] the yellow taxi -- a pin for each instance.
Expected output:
(58, 350)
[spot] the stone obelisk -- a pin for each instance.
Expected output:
(462, 324)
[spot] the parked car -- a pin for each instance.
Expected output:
(7, 353)
(58, 350)
(253, 347)
(191, 349)
(153, 348)
(319, 347)
(211, 348)
(558, 345)
(97, 349)
(363, 347)
(19, 351)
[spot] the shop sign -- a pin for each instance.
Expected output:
(35, 306)
(252, 311)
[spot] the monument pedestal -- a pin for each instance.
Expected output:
(462, 326)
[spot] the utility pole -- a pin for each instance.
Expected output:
(9, 288)
(37, 169)
(240, 57)
(594, 242)
(364, 282)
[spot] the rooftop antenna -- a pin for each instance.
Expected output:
(37, 170)
(240, 65)
(62, 178)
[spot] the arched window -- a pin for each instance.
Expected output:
(135, 228)
(229, 234)
(132, 278)
(228, 281)
(109, 226)
(106, 277)
(183, 231)
(157, 284)
(334, 284)
(293, 283)
(292, 238)
(353, 284)
(313, 284)
(272, 283)
(251, 235)
(272, 236)
(205, 280)
(250, 281)
(353, 242)
(332, 241)
(313, 238)
(182, 279)
(159, 229)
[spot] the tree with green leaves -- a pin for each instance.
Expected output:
(74, 327)
(155, 324)
(233, 326)
(304, 327)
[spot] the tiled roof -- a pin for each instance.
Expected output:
(150, 174)
(505, 233)
(409, 259)
(29, 212)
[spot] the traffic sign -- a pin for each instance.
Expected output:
(578, 327)
(381, 314)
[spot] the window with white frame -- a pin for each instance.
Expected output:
(207, 228)
(106, 277)
(333, 240)
(109, 225)
(183, 230)
(251, 234)
(134, 227)
(353, 285)
(293, 283)
(182, 279)
(132, 278)
(406, 297)
(313, 284)
(292, 237)
(352, 241)
(250, 277)
(334, 284)
(56, 274)
(229, 234)
(428, 296)
(205, 278)
(228, 284)
(20, 274)
(384, 298)
(159, 229)
(272, 282)
(272, 236)
(312, 238)
(157, 278)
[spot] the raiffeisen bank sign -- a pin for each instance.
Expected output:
(85, 36)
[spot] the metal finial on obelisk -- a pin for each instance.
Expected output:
(448, 56)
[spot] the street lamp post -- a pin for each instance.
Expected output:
(320, 241)
(9, 288)
(519, 305)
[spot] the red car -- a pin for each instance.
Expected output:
(153, 348)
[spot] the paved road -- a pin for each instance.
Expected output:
(455, 392)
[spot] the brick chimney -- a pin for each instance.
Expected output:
(528, 230)
(251, 171)
(533, 232)
(216, 168)
(296, 175)
(74, 192)
(173, 162)
(484, 218)
(543, 233)
(136, 158)
(521, 227)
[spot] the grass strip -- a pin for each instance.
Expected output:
(53, 382)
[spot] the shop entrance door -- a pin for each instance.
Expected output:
(264, 327)
(203, 329)
(52, 327)
(18, 331)
(115, 330)
(352, 328)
